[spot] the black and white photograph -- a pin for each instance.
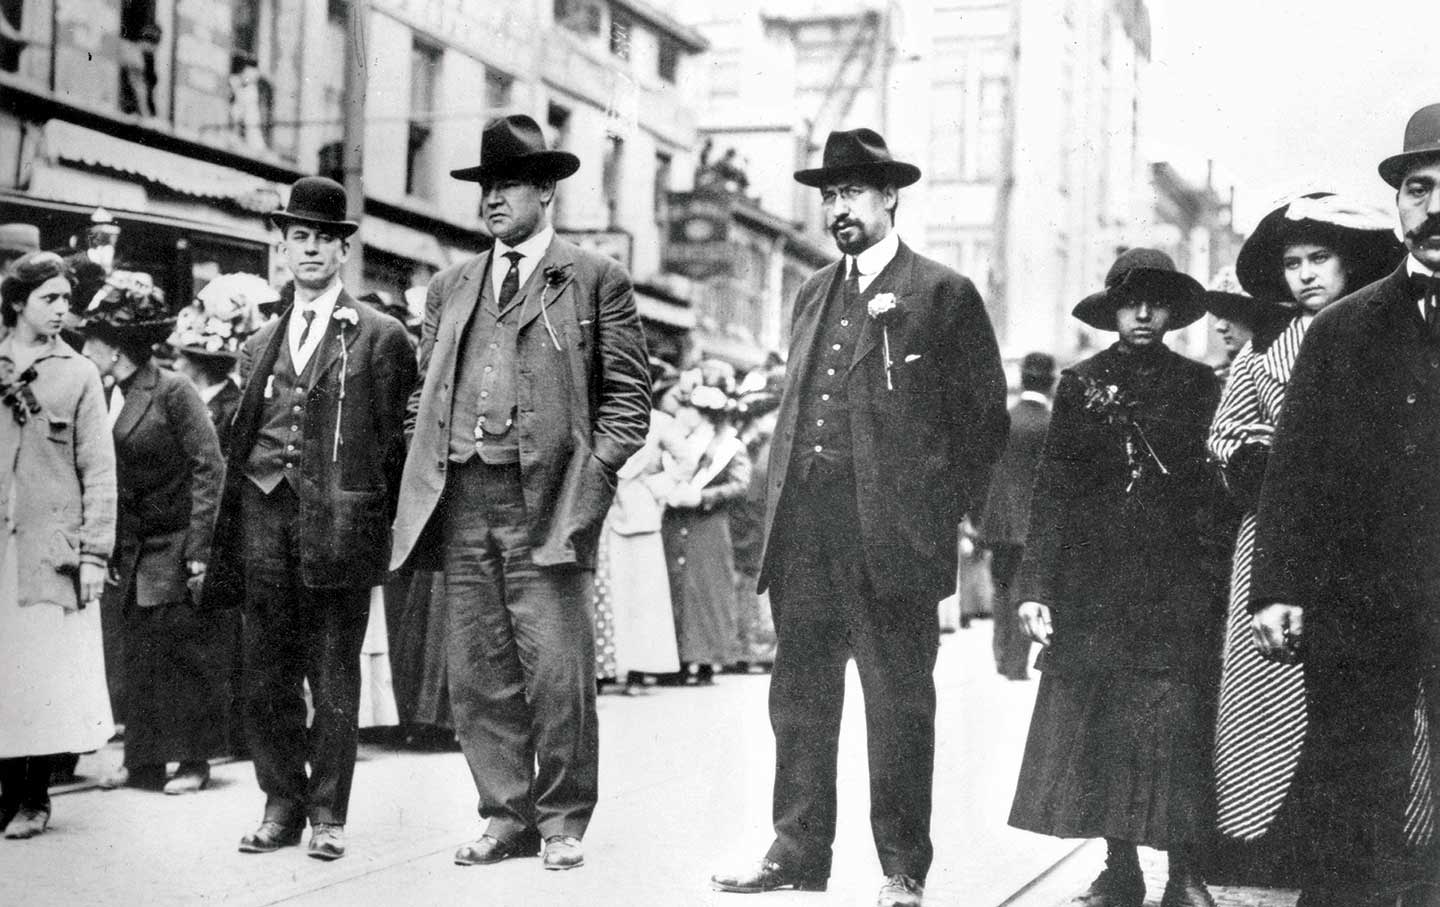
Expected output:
(681, 453)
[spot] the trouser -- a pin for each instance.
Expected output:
(1010, 644)
(294, 633)
(24, 784)
(826, 612)
(521, 650)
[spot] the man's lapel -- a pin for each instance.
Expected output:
(537, 292)
(339, 333)
(807, 322)
(1397, 315)
(893, 278)
(137, 400)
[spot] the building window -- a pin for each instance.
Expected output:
(498, 88)
(252, 96)
(581, 16)
(612, 176)
(419, 166)
(139, 38)
(337, 10)
(621, 27)
(663, 164)
(558, 119)
(669, 61)
(990, 128)
(947, 131)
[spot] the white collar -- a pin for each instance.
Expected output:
(874, 259)
(1035, 397)
(210, 393)
(1413, 266)
(322, 305)
(533, 248)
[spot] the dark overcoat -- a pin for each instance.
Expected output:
(169, 472)
(923, 452)
(1126, 573)
(582, 409)
(346, 491)
(222, 408)
(1349, 529)
(1007, 511)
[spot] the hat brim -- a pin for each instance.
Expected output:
(195, 352)
(1368, 255)
(895, 173)
(1180, 293)
(341, 228)
(1247, 310)
(543, 165)
(148, 332)
(1394, 167)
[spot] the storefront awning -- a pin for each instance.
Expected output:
(63, 141)
(663, 311)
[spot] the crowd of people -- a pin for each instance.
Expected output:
(255, 524)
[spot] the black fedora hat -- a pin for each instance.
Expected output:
(858, 153)
(1362, 236)
(1422, 140)
(1143, 273)
(318, 202)
(515, 146)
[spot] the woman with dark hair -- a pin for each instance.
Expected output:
(709, 471)
(175, 656)
(1304, 255)
(57, 503)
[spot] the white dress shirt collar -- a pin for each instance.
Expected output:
(1035, 397)
(1413, 266)
(533, 249)
(323, 306)
(874, 259)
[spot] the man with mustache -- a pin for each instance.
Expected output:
(1347, 562)
(892, 418)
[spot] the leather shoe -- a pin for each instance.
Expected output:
(489, 849)
(901, 891)
(145, 777)
(768, 876)
(28, 823)
(1113, 888)
(327, 842)
(189, 779)
(563, 852)
(1186, 890)
(270, 836)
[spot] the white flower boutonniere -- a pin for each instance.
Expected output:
(345, 316)
(883, 308)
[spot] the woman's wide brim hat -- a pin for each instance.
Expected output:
(513, 146)
(128, 309)
(225, 312)
(1227, 300)
(315, 201)
(858, 154)
(1422, 142)
(1143, 274)
(1363, 237)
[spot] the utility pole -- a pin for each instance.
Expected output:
(1001, 300)
(357, 16)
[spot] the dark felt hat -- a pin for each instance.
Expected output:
(317, 202)
(514, 146)
(1362, 236)
(858, 153)
(1037, 368)
(1422, 141)
(128, 309)
(1143, 274)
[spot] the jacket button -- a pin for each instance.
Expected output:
(1410, 397)
(440, 465)
(442, 423)
(1410, 450)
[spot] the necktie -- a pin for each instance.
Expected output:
(511, 284)
(852, 283)
(309, 316)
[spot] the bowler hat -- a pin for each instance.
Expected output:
(1422, 140)
(1147, 274)
(1362, 236)
(317, 202)
(514, 146)
(1037, 368)
(858, 153)
(22, 238)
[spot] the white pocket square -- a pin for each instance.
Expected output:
(912, 357)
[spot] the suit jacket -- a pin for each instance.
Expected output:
(63, 512)
(222, 408)
(347, 491)
(582, 410)
(1007, 510)
(169, 472)
(923, 452)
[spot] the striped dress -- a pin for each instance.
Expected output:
(1260, 724)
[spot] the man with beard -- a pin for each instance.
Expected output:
(892, 418)
(1347, 561)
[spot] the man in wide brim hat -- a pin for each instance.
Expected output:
(1364, 239)
(858, 154)
(514, 146)
(1143, 274)
(318, 202)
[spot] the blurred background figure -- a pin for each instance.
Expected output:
(174, 657)
(757, 408)
(91, 262)
(207, 340)
(57, 484)
(17, 240)
(710, 472)
(1007, 511)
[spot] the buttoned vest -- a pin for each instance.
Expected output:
(482, 417)
(822, 430)
(280, 442)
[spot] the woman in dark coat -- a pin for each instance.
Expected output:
(175, 656)
(1117, 584)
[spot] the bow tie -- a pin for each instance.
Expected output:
(1426, 288)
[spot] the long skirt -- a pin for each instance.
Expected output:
(53, 697)
(702, 584)
(177, 681)
(1117, 756)
(417, 651)
(377, 691)
(636, 588)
